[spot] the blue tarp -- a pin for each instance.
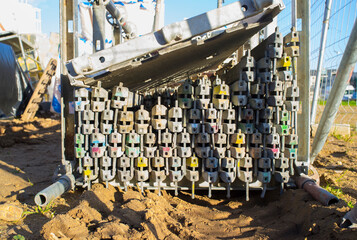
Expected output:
(13, 83)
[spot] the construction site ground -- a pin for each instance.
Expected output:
(30, 152)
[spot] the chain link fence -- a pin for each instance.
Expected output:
(342, 18)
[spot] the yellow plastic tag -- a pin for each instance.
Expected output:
(141, 162)
(192, 162)
(87, 172)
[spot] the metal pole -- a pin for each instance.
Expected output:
(344, 72)
(303, 120)
(67, 52)
(157, 15)
(98, 25)
(63, 58)
(293, 14)
(75, 28)
(117, 35)
(219, 3)
(321, 59)
(63, 31)
(23, 54)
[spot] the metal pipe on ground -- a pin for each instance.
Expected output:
(344, 72)
(62, 185)
(317, 192)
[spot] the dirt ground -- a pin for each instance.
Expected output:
(347, 114)
(30, 152)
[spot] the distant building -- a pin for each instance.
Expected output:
(327, 79)
(324, 83)
(19, 16)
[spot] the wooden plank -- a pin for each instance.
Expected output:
(40, 90)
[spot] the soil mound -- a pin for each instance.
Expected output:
(112, 214)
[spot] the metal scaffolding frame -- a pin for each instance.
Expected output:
(69, 50)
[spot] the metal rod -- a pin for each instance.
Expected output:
(23, 54)
(219, 3)
(344, 72)
(321, 59)
(247, 191)
(303, 122)
(117, 35)
(293, 14)
(98, 25)
(75, 28)
(63, 31)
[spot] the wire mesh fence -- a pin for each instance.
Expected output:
(342, 18)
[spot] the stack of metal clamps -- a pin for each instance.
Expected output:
(233, 131)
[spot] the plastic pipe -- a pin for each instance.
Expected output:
(318, 193)
(62, 185)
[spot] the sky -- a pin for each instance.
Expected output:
(175, 10)
(49, 14)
